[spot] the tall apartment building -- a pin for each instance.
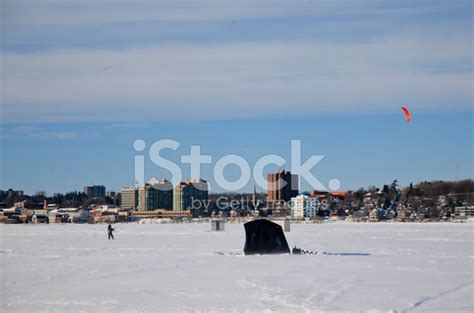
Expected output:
(164, 198)
(304, 206)
(129, 198)
(157, 194)
(189, 190)
(95, 191)
(146, 198)
(282, 186)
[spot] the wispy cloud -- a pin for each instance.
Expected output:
(128, 126)
(427, 65)
(190, 81)
(59, 12)
(30, 131)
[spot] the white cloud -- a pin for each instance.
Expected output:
(234, 79)
(21, 131)
(424, 67)
(80, 12)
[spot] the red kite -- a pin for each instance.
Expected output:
(407, 114)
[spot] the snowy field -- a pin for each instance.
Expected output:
(381, 267)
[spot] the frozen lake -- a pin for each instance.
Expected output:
(380, 267)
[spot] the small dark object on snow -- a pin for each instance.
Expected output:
(302, 251)
(264, 237)
(296, 250)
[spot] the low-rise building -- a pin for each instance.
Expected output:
(360, 215)
(402, 216)
(463, 212)
(40, 218)
(161, 214)
(374, 215)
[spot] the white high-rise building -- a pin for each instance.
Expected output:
(304, 206)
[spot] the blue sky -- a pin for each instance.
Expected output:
(81, 80)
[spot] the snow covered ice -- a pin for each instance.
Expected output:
(380, 267)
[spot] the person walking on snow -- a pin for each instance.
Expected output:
(110, 230)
